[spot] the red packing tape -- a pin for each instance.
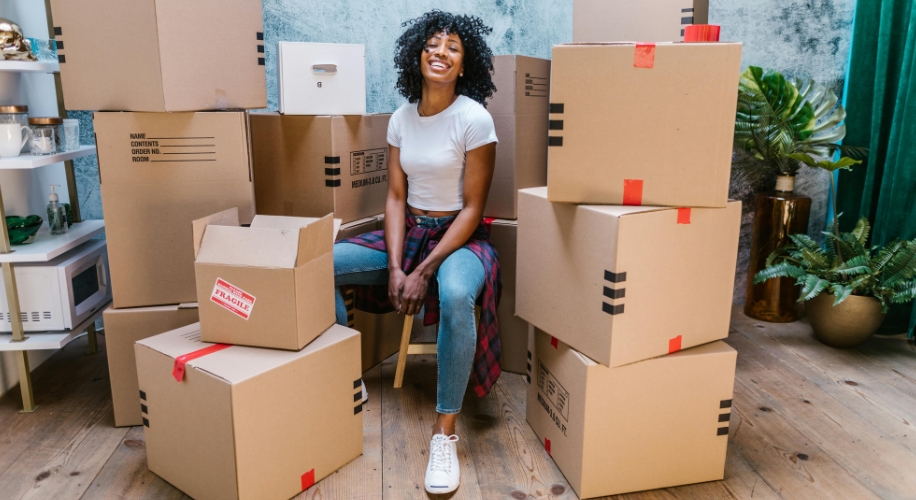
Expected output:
(644, 57)
(554, 342)
(702, 33)
(674, 345)
(180, 361)
(683, 215)
(308, 479)
(632, 192)
(547, 446)
(488, 222)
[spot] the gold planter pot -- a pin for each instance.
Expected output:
(846, 325)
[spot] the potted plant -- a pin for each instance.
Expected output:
(849, 286)
(777, 120)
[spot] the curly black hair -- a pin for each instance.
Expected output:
(478, 63)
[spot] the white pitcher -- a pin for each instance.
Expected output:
(12, 139)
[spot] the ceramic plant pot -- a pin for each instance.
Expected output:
(846, 325)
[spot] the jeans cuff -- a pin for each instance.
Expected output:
(447, 412)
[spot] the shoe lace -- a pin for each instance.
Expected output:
(440, 457)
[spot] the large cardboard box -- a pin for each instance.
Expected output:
(623, 284)
(513, 331)
(232, 422)
(124, 327)
(268, 285)
(647, 125)
(161, 55)
(158, 172)
(308, 166)
(653, 424)
(629, 21)
(322, 78)
(519, 110)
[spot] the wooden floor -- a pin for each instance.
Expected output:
(812, 422)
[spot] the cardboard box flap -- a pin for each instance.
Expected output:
(249, 246)
(236, 363)
(289, 223)
(229, 217)
(317, 239)
(613, 210)
(635, 42)
(188, 305)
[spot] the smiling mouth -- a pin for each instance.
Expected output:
(438, 65)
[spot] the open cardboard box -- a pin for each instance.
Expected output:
(267, 285)
(642, 21)
(232, 422)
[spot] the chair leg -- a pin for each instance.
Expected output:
(402, 354)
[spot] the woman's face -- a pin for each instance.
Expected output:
(442, 61)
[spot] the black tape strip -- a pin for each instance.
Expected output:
(554, 141)
(332, 171)
(529, 354)
(725, 417)
(349, 318)
(687, 20)
(555, 125)
(146, 421)
(260, 61)
(682, 31)
(615, 294)
(60, 44)
(528, 377)
(142, 394)
(615, 277)
(260, 49)
(359, 408)
(332, 183)
(58, 31)
(725, 403)
(357, 383)
(143, 408)
(61, 58)
(556, 108)
(260, 35)
(612, 310)
(358, 396)
(689, 9)
(332, 159)
(722, 431)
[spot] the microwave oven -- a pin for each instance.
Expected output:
(61, 293)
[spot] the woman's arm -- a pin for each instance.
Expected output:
(395, 206)
(478, 174)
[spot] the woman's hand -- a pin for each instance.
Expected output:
(414, 292)
(396, 280)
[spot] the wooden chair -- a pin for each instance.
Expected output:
(407, 348)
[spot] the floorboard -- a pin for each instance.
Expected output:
(808, 421)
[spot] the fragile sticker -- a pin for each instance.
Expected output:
(232, 298)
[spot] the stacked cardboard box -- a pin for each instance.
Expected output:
(625, 265)
(171, 82)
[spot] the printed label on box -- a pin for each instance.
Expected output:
(555, 393)
(368, 161)
(234, 299)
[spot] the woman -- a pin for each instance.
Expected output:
(434, 250)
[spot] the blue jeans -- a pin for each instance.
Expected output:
(460, 277)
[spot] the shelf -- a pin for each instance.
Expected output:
(29, 67)
(30, 161)
(39, 341)
(46, 247)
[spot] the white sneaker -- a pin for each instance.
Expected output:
(442, 473)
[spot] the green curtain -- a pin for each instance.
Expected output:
(881, 106)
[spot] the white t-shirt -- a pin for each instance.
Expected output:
(433, 150)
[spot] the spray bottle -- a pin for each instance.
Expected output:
(57, 214)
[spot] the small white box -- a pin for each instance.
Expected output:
(322, 78)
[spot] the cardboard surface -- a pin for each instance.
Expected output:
(151, 195)
(513, 331)
(653, 424)
(308, 166)
(123, 327)
(268, 285)
(322, 78)
(623, 284)
(161, 55)
(668, 128)
(643, 21)
(247, 423)
(519, 110)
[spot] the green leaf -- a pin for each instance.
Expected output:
(812, 287)
(841, 293)
(903, 265)
(885, 254)
(861, 231)
(844, 163)
(781, 270)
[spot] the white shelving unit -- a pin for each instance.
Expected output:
(30, 161)
(47, 246)
(40, 341)
(29, 67)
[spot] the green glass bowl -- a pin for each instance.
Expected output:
(22, 229)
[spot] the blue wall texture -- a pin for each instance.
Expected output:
(798, 37)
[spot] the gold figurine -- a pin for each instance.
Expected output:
(13, 46)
